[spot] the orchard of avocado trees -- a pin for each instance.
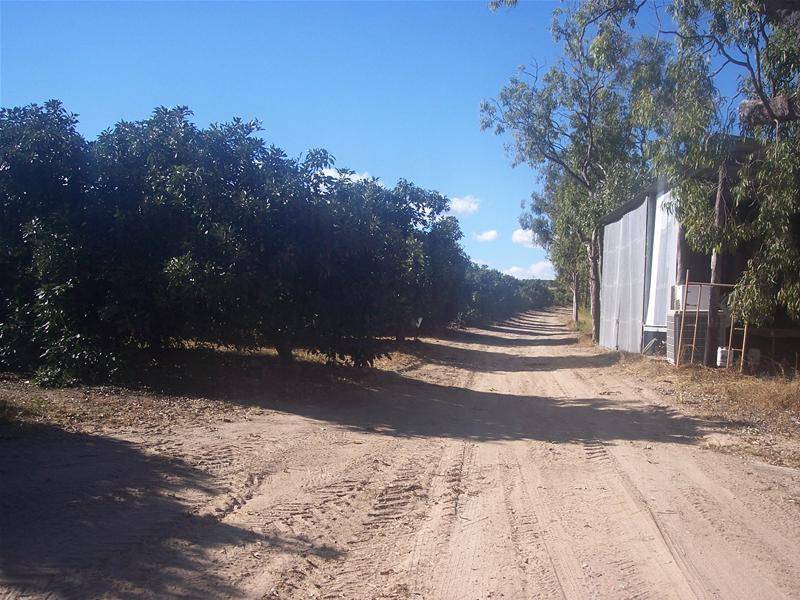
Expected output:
(160, 233)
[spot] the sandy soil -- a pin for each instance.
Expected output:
(507, 462)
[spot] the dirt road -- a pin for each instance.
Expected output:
(507, 462)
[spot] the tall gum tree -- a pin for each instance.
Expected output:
(548, 217)
(582, 115)
(760, 43)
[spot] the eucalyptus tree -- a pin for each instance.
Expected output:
(758, 42)
(583, 117)
(763, 204)
(549, 217)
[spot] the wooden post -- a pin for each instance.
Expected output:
(683, 319)
(744, 347)
(696, 321)
(730, 343)
(680, 258)
(712, 331)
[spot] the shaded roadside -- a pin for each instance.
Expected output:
(86, 516)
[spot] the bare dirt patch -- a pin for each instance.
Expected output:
(763, 412)
(504, 462)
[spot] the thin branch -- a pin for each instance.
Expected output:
(718, 71)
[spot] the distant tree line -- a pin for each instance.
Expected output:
(159, 232)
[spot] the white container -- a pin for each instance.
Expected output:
(753, 357)
(695, 292)
(722, 356)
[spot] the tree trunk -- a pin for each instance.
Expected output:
(712, 333)
(285, 355)
(681, 260)
(575, 297)
(593, 256)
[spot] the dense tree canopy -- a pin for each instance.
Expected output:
(763, 199)
(159, 233)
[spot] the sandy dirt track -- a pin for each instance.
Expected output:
(506, 462)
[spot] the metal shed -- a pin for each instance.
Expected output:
(647, 260)
(640, 250)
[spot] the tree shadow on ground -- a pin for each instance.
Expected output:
(487, 339)
(86, 516)
(390, 404)
(537, 317)
(474, 359)
(520, 330)
(397, 404)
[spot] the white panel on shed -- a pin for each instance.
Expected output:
(622, 291)
(663, 265)
(609, 298)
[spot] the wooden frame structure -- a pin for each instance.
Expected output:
(733, 328)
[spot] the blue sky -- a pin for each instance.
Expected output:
(391, 89)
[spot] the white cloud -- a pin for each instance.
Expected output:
(329, 172)
(465, 205)
(481, 262)
(486, 236)
(538, 270)
(523, 237)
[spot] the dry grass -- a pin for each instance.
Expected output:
(771, 403)
(584, 321)
(583, 326)
(759, 416)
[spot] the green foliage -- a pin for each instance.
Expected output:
(47, 309)
(549, 216)
(770, 188)
(658, 111)
(586, 124)
(495, 296)
(763, 210)
(159, 233)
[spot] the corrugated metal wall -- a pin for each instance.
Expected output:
(625, 253)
